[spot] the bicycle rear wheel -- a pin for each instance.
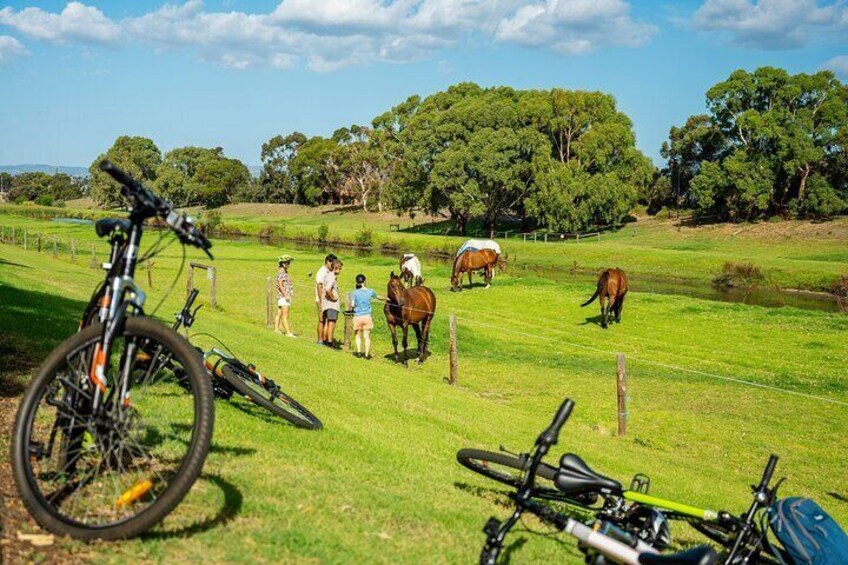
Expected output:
(277, 402)
(115, 472)
(510, 470)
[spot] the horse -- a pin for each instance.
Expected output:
(484, 260)
(410, 270)
(414, 306)
(612, 287)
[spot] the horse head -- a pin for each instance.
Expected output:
(502, 262)
(395, 289)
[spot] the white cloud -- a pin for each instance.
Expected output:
(76, 23)
(838, 65)
(325, 35)
(574, 26)
(10, 48)
(771, 24)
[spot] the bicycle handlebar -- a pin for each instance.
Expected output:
(191, 298)
(179, 223)
(550, 436)
(769, 471)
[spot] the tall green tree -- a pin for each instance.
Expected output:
(772, 144)
(138, 156)
(316, 171)
(276, 183)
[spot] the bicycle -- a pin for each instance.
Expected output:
(600, 542)
(106, 443)
(229, 374)
(574, 483)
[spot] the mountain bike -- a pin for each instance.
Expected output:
(229, 374)
(602, 542)
(106, 442)
(575, 484)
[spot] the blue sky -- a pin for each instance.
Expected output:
(233, 73)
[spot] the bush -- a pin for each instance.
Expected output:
(739, 275)
(44, 200)
(211, 220)
(58, 203)
(365, 237)
(323, 233)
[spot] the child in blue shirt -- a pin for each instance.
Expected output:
(363, 323)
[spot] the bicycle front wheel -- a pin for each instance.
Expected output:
(277, 402)
(102, 462)
(508, 469)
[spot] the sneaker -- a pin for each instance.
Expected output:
(290, 335)
(278, 332)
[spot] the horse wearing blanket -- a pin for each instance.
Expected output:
(410, 270)
(477, 255)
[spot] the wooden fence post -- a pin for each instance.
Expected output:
(213, 287)
(348, 323)
(73, 251)
(268, 301)
(93, 264)
(525, 238)
(55, 247)
(13, 235)
(546, 237)
(454, 361)
(535, 235)
(39, 243)
(621, 393)
(3, 234)
(25, 239)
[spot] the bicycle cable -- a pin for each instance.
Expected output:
(173, 284)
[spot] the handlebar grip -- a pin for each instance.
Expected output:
(772, 462)
(551, 435)
(118, 174)
(191, 298)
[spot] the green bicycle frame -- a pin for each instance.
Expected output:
(685, 509)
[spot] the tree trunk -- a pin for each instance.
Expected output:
(805, 173)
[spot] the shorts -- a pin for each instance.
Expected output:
(283, 302)
(331, 315)
(364, 322)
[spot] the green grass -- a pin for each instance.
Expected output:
(380, 482)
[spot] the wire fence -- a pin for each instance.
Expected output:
(85, 253)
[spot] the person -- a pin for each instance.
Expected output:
(330, 304)
(363, 323)
(319, 293)
(285, 292)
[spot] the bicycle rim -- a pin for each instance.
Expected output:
(277, 402)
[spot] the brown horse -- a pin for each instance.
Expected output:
(612, 287)
(414, 306)
(484, 260)
(410, 271)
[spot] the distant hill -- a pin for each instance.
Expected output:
(49, 169)
(77, 171)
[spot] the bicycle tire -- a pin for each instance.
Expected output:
(494, 465)
(190, 465)
(278, 403)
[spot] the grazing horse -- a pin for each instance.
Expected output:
(410, 270)
(414, 306)
(612, 286)
(484, 260)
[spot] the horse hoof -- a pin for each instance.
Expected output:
(421, 361)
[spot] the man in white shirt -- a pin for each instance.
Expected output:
(319, 292)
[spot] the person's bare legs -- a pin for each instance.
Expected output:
(367, 343)
(357, 337)
(277, 319)
(284, 315)
(329, 330)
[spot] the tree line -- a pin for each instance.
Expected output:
(771, 144)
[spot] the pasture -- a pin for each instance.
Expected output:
(380, 482)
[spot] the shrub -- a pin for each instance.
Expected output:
(43, 200)
(58, 203)
(323, 233)
(739, 275)
(365, 237)
(211, 220)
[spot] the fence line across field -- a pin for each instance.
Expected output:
(14, 235)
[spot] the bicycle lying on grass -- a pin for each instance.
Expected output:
(600, 542)
(106, 443)
(641, 516)
(229, 374)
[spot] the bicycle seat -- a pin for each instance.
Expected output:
(575, 476)
(106, 226)
(701, 555)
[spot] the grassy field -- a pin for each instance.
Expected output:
(380, 482)
(791, 254)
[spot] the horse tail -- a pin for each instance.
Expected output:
(602, 281)
(594, 296)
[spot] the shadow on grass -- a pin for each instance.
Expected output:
(232, 505)
(31, 324)
(13, 264)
